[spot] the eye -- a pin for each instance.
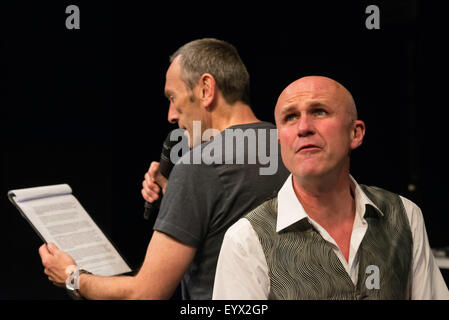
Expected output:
(319, 112)
(290, 117)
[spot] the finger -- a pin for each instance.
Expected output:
(146, 185)
(144, 195)
(150, 188)
(52, 248)
(56, 283)
(144, 188)
(152, 197)
(149, 196)
(147, 178)
(49, 272)
(153, 188)
(44, 254)
(43, 250)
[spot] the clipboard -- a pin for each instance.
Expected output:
(56, 215)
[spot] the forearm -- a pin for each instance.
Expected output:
(103, 288)
(165, 264)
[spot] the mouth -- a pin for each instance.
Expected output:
(308, 147)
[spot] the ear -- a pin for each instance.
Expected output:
(357, 133)
(207, 89)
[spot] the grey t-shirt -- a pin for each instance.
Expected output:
(203, 200)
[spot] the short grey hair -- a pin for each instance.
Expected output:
(221, 60)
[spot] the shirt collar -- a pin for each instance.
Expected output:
(290, 209)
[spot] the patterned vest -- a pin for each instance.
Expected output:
(302, 265)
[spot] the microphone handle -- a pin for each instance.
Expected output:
(152, 208)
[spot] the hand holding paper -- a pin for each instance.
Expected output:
(57, 263)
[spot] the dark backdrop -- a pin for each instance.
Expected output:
(86, 107)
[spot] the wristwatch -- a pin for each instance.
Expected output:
(72, 283)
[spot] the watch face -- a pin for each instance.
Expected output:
(70, 284)
(71, 281)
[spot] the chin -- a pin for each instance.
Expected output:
(309, 175)
(309, 172)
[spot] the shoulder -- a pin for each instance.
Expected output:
(376, 193)
(241, 235)
(385, 199)
(266, 209)
(255, 125)
(409, 205)
(187, 168)
(241, 227)
(414, 214)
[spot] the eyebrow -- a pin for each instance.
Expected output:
(317, 104)
(292, 107)
(289, 108)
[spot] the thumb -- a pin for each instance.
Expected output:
(154, 169)
(52, 248)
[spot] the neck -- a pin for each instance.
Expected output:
(327, 201)
(231, 115)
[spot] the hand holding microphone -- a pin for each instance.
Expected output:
(153, 187)
(156, 178)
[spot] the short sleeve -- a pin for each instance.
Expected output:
(193, 195)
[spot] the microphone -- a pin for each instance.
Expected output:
(165, 167)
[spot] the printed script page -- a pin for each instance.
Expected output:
(61, 219)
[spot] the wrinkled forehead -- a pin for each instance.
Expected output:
(312, 88)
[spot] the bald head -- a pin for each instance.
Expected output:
(318, 128)
(318, 87)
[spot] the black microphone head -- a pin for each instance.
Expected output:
(166, 165)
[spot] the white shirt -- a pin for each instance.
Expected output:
(242, 271)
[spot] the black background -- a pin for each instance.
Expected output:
(86, 107)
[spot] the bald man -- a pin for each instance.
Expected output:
(325, 236)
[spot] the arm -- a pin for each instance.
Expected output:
(427, 281)
(165, 263)
(242, 271)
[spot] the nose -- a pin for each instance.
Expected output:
(173, 115)
(305, 126)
